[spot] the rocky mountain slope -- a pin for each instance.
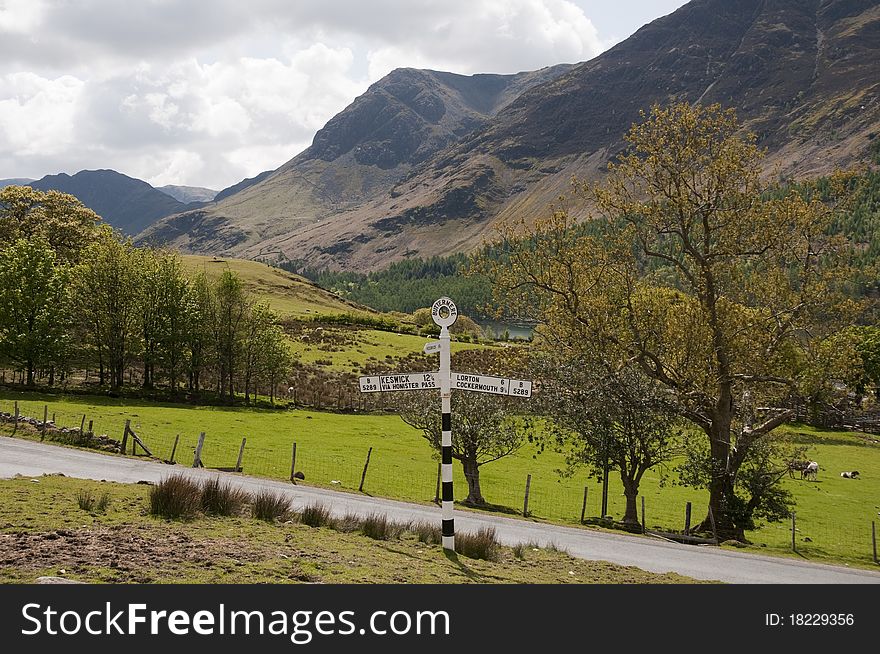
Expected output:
(425, 162)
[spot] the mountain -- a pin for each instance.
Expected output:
(187, 194)
(15, 181)
(126, 203)
(398, 124)
(425, 163)
(242, 185)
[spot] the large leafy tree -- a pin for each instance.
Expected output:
(692, 271)
(59, 218)
(34, 305)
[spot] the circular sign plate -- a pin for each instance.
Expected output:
(443, 312)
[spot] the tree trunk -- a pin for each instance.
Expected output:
(30, 373)
(472, 476)
(721, 491)
(631, 492)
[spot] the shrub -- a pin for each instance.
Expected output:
(86, 500)
(481, 545)
(221, 498)
(175, 497)
(519, 551)
(316, 515)
(426, 532)
(270, 506)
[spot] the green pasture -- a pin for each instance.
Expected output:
(348, 350)
(833, 514)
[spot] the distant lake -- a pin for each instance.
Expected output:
(498, 328)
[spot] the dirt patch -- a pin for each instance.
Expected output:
(132, 553)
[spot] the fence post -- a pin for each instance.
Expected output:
(364, 474)
(53, 417)
(874, 539)
(174, 448)
(793, 526)
(687, 519)
(437, 489)
(82, 425)
(197, 459)
(90, 428)
(526, 500)
(15, 429)
(712, 522)
(643, 515)
(240, 455)
(45, 418)
(584, 506)
(293, 464)
(125, 435)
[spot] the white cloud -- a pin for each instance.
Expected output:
(37, 115)
(20, 16)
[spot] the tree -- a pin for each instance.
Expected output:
(609, 420)
(107, 293)
(59, 218)
(33, 305)
(198, 312)
(484, 429)
(228, 308)
(693, 271)
(276, 358)
(172, 327)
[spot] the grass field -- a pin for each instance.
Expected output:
(43, 532)
(288, 294)
(350, 349)
(833, 514)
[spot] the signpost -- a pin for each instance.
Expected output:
(444, 314)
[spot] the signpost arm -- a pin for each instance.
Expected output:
(446, 441)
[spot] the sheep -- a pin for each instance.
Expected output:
(854, 474)
(811, 471)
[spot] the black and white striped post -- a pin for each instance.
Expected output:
(444, 314)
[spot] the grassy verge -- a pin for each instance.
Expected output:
(833, 514)
(44, 532)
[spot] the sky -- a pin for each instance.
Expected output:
(206, 93)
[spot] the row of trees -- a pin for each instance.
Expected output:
(92, 301)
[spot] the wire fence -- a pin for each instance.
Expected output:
(824, 536)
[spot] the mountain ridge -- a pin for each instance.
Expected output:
(426, 162)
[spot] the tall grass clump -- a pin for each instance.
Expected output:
(86, 500)
(269, 506)
(426, 532)
(316, 515)
(102, 503)
(175, 497)
(221, 498)
(480, 545)
(378, 527)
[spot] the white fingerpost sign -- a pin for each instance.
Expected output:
(444, 313)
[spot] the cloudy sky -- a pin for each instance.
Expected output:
(205, 93)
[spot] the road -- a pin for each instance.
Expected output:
(32, 459)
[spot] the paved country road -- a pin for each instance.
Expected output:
(32, 459)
